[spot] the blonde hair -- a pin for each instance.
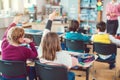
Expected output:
(14, 34)
(50, 45)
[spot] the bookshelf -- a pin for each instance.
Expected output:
(88, 14)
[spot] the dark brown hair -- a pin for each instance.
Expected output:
(50, 45)
(101, 26)
(74, 25)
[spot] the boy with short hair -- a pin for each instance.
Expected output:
(103, 37)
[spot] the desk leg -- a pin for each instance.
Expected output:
(87, 74)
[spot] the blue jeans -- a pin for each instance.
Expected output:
(32, 73)
(71, 76)
(111, 58)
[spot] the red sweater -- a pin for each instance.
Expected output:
(20, 53)
(17, 53)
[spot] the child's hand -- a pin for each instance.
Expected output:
(113, 15)
(52, 15)
(27, 40)
(17, 19)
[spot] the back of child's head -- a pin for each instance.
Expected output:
(101, 26)
(74, 25)
(14, 34)
(50, 45)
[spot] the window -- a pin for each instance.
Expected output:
(5, 5)
(1, 4)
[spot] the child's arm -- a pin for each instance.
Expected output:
(46, 30)
(13, 24)
(49, 24)
(10, 26)
(33, 51)
(114, 40)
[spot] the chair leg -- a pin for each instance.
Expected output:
(119, 73)
(93, 72)
(35, 78)
(87, 73)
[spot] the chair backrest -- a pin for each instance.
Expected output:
(75, 44)
(13, 68)
(104, 49)
(50, 72)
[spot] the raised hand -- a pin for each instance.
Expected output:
(17, 18)
(52, 15)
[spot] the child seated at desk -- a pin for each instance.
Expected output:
(12, 48)
(73, 34)
(103, 37)
(51, 49)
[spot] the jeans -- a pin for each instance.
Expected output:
(32, 73)
(71, 76)
(111, 58)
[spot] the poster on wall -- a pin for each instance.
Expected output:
(73, 9)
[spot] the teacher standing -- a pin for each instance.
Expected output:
(112, 13)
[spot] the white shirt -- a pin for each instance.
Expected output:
(61, 58)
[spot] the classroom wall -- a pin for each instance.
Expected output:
(71, 7)
(17, 6)
(104, 10)
(40, 4)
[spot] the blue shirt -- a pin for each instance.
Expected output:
(77, 36)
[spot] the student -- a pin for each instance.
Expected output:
(103, 37)
(51, 49)
(112, 13)
(73, 34)
(11, 44)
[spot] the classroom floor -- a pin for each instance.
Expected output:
(102, 70)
